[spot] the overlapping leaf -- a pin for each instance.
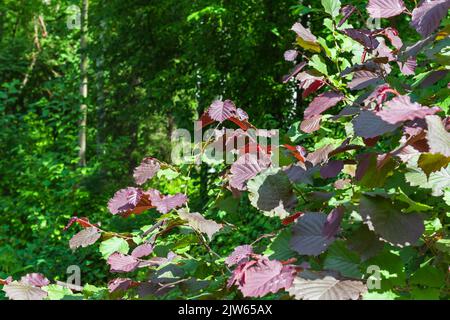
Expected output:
(401, 109)
(23, 291)
(142, 251)
(307, 286)
(305, 38)
(272, 192)
(322, 103)
(199, 223)
(386, 219)
(263, 276)
(245, 168)
(370, 125)
(122, 263)
(239, 255)
(307, 234)
(333, 223)
(146, 170)
(84, 238)
(164, 203)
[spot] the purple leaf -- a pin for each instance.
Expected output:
(364, 161)
(35, 279)
(320, 155)
(309, 82)
(331, 169)
(122, 263)
(290, 55)
(312, 124)
(297, 174)
(23, 291)
(163, 203)
(158, 261)
(428, 15)
(146, 170)
(401, 109)
(385, 8)
(84, 238)
(294, 72)
(307, 234)
(362, 36)
(379, 95)
(120, 203)
(303, 33)
(222, 110)
(241, 114)
(392, 35)
(266, 276)
(142, 251)
(408, 68)
(244, 169)
(370, 125)
(322, 103)
(119, 284)
(383, 51)
(333, 223)
(197, 222)
(239, 255)
(346, 11)
(385, 218)
(362, 79)
(134, 196)
(432, 78)
(414, 50)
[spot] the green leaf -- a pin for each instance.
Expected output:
(341, 259)
(332, 7)
(413, 205)
(392, 269)
(169, 174)
(425, 293)
(115, 244)
(279, 248)
(443, 245)
(57, 292)
(433, 226)
(317, 63)
(385, 295)
(428, 276)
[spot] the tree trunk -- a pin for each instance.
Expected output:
(84, 82)
(101, 92)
